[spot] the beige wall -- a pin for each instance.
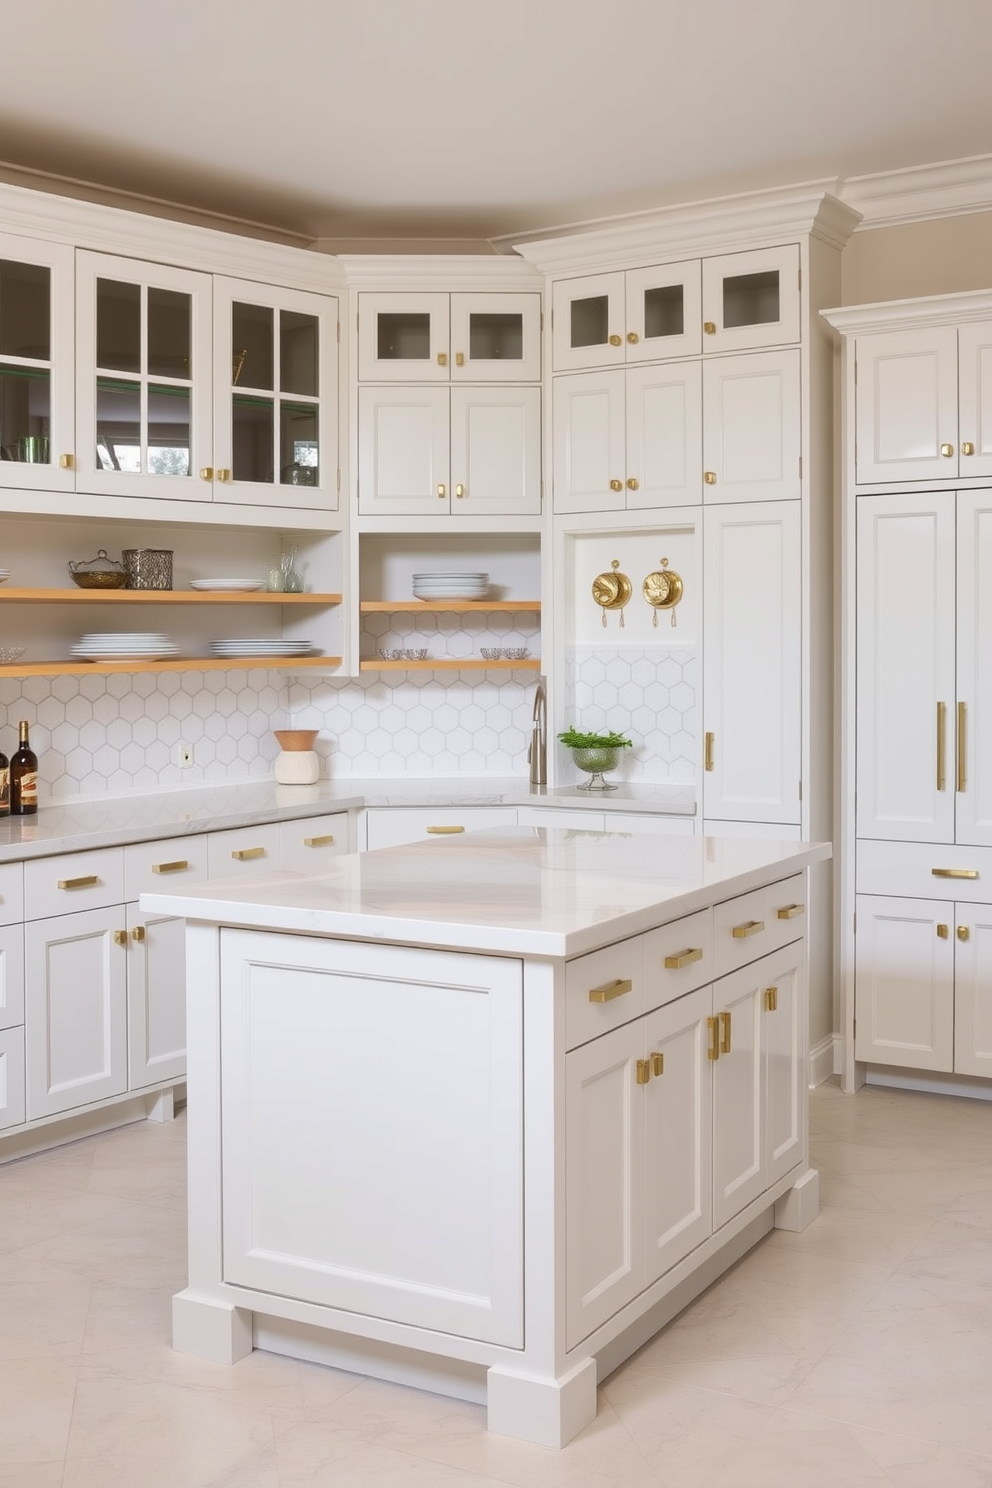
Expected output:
(921, 258)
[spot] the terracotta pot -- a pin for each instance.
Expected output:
(294, 740)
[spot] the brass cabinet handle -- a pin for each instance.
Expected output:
(771, 999)
(616, 340)
(633, 337)
(245, 854)
(177, 867)
(120, 937)
(442, 358)
(791, 911)
(708, 752)
(954, 872)
(67, 462)
(616, 485)
(942, 932)
(643, 1071)
(138, 934)
(459, 359)
(713, 1046)
(709, 326)
(459, 491)
(79, 883)
(964, 933)
(709, 476)
(319, 841)
(684, 958)
(724, 1033)
(632, 483)
(962, 745)
(750, 927)
(441, 493)
(223, 475)
(610, 990)
(443, 831)
(947, 450)
(967, 448)
(657, 1064)
(207, 472)
(941, 745)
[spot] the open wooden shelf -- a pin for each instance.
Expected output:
(174, 664)
(450, 664)
(451, 606)
(161, 596)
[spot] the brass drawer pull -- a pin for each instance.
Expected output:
(791, 911)
(138, 934)
(962, 745)
(245, 854)
(67, 462)
(947, 450)
(441, 491)
(79, 883)
(319, 841)
(610, 990)
(954, 872)
(615, 340)
(709, 326)
(657, 1064)
(752, 927)
(443, 831)
(684, 958)
(708, 753)
(724, 1033)
(643, 1072)
(941, 746)
(713, 1047)
(442, 358)
(771, 999)
(179, 866)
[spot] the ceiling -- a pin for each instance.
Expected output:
(458, 119)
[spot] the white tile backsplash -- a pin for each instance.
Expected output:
(649, 694)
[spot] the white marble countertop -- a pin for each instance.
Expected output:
(519, 891)
(118, 820)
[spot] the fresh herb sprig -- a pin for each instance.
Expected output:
(573, 739)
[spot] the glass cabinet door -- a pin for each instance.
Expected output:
(663, 312)
(751, 299)
(36, 372)
(403, 338)
(276, 409)
(143, 379)
(496, 337)
(588, 322)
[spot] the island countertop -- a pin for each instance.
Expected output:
(513, 891)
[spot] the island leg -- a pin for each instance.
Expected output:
(800, 1206)
(210, 1330)
(544, 1410)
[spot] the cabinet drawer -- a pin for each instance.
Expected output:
(310, 841)
(649, 821)
(11, 893)
(11, 976)
(922, 870)
(11, 1077)
(390, 827)
(149, 866)
(603, 990)
(244, 850)
(753, 924)
(574, 820)
(678, 958)
(73, 881)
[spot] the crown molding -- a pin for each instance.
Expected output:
(723, 224)
(438, 271)
(121, 231)
(889, 315)
(949, 188)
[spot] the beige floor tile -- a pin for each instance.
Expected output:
(32, 1475)
(688, 1436)
(123, 1317)
(43, 1319)
(130, 1245)
(36, 1401)
(313, 1455)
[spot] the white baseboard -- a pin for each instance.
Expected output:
(824, 1059)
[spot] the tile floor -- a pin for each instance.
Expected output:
(857, 1354)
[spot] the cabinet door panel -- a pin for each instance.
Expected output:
(752, 695)
(905, 668)
(37, 376)
(586, 313)
(973, 763)
(904, 982)
(75, 1011)
(403, 451)
(738, 1125)
(604, 1193)
(496, 337)
(973, 990)
(664, 317)
(403, 337)
(156, 998)
(664, 435)
(751, 299)
(11, 1077)
(752, 427)
(975, 395)
(11, 976)
(495, 451)
(784, 1044)
(678, 1132)
(906, 406)
(589, 442)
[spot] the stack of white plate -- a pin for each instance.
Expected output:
(132, 645)
(252, 646)
(227, 586)
(450, 585)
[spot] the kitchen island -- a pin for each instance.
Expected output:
(483, 1115)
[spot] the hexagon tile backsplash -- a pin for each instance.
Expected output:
(649, 694)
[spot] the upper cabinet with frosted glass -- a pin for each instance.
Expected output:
(459, 337)
(37, 438)
(731, 302)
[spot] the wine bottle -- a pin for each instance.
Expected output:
(23, 776)
(4, 785)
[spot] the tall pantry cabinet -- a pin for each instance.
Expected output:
(916, 872)
(692, 393)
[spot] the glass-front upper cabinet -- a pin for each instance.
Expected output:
(37, 439)
(604, 320)
(275, 440)
(459, 337)
(751, 300)
(143, 375)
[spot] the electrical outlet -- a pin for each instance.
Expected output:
(184, 756)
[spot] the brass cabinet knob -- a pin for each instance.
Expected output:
(459, 491)
(442, 358)
(632, 483)
(138, 934)
(207, 472)
(441, 492)
(223, 475)
(709, 326)
(616, 340)
(643, 1071)
(120, 937)
(633, 337)
(967, 448)
(771, 999)
(657, 1064)
(67, 462)
(947, 450)
(459, 359)
(942, 932)
(964, 933)
(616, 485)
(709, 476)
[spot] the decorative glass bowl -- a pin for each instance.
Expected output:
(9, 654)
(595, 762)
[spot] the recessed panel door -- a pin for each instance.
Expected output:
(403, 451)
(904, 982)
(588, 324)
(738, 1125)
(495, 338)
(906, 406)
(751, 299)
(37, 376)
(403, 337)
(495, 451)
(664, 435)
(156, 998)
(590, 462)
(972, 722)
(752, 421)
(973, 989)
(784, 1052)
(975, 399)
(664, 317)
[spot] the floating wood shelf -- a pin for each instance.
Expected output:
(454, 606)
(174, 664)
(450, 664)
(161, 596)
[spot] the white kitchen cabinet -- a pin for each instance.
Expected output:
(307, 842)
(11, 976)
(973, 989)
(923, 404)
(243, 851)
(435, 451)
(752, 428)
(751, 299)
(752, 679)
(375, 1047)
(391, 826)
(457, 337)
(603, 320)
(156, 1004)
(37, 375)
(11, 1077)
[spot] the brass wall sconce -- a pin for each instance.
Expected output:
(611, 591)
(663, 589)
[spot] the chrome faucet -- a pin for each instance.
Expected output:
(537, 754)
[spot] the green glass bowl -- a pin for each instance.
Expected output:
(595, 762)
